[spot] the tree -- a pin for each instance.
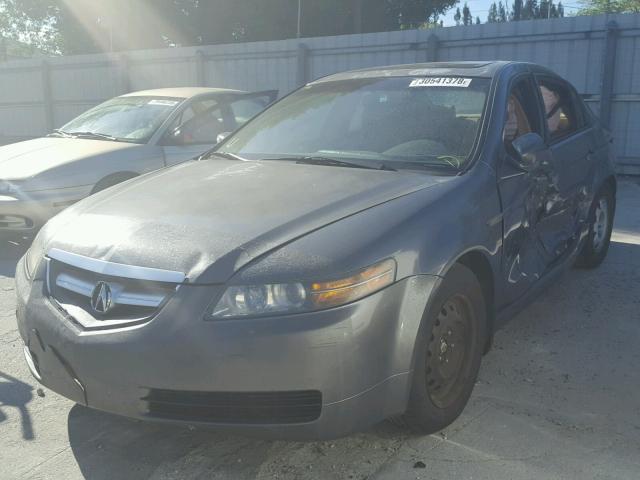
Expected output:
(467, 18)
(545, 10)
(502, 12)
(478, 22)
(530, 10)
(30, 24)
(560, 10)
(87, 26)
(516, 11)
(492, 17)
(457, 16)
(595, 7)
(416, 13)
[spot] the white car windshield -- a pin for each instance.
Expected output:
(133, 119)
(405, 122)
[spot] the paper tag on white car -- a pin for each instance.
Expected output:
(163, 103)
(441, 82)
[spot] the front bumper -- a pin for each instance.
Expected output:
(358, 357)
(24, 213)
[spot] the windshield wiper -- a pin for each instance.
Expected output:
(228, 156)
(93, 135)
(56, 132)
(432, 165)
(334, 162)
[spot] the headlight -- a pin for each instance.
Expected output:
(33, 257)
(7, 188)
(282, 298)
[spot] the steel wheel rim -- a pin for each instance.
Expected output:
(449, 352)
(600, 224)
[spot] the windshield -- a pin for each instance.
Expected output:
(132, 119)
(406, 122)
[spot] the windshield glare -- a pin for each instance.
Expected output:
(133, 119)
(404, 120)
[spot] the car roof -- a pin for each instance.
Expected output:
(488, 69)
(180, 92)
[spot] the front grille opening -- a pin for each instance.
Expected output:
(235, 407)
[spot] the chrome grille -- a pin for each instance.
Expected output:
(122, 294)
(135, 293)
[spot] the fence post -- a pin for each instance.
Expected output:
(47, 98)
(4, 53)
(303, 60)
(608, 71)
(200, 73)
(433, 42)
(123, 74)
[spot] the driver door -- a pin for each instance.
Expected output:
(195, 130)
(531, 240)
(204, 122)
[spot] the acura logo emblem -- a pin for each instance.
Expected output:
(101, 298)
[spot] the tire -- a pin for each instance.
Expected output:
(600, 221)
(445, 373)
(112, 181)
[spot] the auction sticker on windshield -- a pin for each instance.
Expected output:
(440, 82)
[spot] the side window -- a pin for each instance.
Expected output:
(199, 124)
(522, 113)
(562, 114)
(246, 108)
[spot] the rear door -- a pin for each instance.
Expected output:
(570, 139)
(195, 129)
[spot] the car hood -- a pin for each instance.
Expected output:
(215, 216)
(23, 160)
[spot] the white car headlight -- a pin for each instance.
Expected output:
(33, 257)
(7, 188)
(282, 298)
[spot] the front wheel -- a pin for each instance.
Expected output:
(600, 226)
(449, 350)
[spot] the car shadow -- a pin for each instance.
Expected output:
(107, 446)
(15, 394)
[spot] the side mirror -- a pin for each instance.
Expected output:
(531, 152)
(222, 136)
(174, 138)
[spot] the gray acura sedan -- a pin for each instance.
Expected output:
(343, 258)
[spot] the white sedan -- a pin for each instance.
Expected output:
(117, 140)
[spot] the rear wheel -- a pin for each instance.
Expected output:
(598, 239)
(450, 346)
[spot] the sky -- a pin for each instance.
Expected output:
(481, 8)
